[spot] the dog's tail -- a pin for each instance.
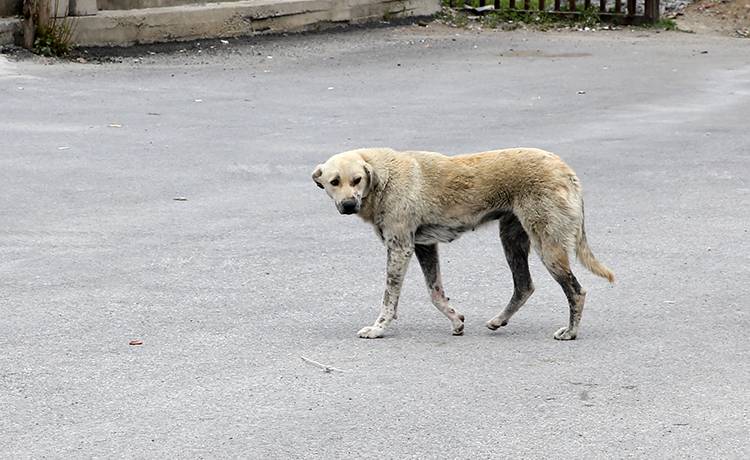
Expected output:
(584, 254)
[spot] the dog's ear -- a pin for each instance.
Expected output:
(372, 177)
(316, 174)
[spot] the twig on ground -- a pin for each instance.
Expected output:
(326, 368)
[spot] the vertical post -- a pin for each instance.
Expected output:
(572, 5)
(602, 6)
(631, 7)
(542, 5)
(497, 4)
(651, 10)
(618, 6)
(512, 4)
(29, 23)
(527, 5)
(557, 5)
(587, 4)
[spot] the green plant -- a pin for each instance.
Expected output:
(44, 32)
(666, 24)
(453, 17)
(589, 17)
(54, 39)
(445, 14)
(491, 21)
(496, 18)
(504, 4)
(460, 19)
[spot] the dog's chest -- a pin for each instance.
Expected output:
(444, 232)
(436, 233)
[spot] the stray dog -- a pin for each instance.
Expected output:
(416, 200)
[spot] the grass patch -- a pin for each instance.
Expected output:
(54, 38)
(505, 4)
(497, 19)
(507, 18)
(44, 32)
(510, 19)
(666, 24)
(453, 17)
(589, 17)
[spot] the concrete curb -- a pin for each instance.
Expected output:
(237, 18)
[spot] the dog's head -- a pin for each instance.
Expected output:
(347, 179)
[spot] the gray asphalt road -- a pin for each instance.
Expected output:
(228, 289)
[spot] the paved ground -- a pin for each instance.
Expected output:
(229, 288)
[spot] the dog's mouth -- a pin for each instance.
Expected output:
(348, 207)
(353, 210)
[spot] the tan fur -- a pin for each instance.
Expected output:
(425, 198)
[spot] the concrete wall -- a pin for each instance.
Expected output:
(232, 18)
(236, 18)
(10, 7)
(140, 4)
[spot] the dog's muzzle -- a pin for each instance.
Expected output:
(349, 207)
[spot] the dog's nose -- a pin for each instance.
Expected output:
(348, 207)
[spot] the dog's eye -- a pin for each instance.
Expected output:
(335, 182)
(356, 181)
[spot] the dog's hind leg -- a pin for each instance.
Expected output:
(516, 246)
(430, 263)
(555, 258)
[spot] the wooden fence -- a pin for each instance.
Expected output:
(613, 11)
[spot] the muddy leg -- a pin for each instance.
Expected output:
(555, 258)
(430, 263)
(398, 261)
(516, 246)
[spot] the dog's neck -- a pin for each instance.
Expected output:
(367, 210)
(371, 201)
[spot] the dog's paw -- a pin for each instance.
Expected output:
(565, 334)
(371, 332)
(458, 327)
(493, 324)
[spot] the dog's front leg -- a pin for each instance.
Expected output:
(398, 261)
